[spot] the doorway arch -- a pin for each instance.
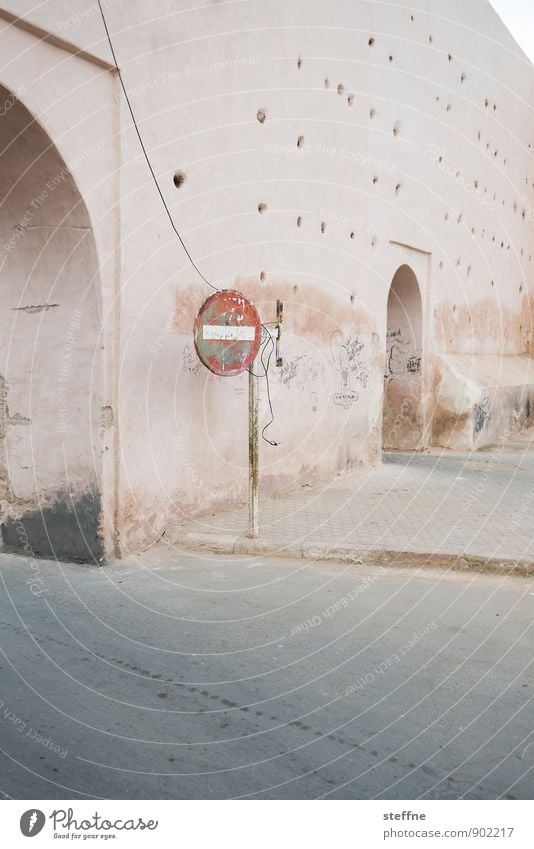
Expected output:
(50, 360)
(402, 422)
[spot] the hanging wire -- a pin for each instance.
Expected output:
(177, 232)
(167, 210)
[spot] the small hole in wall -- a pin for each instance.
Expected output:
(469, 271)
(396, 130)
(262, 207)
(475, 183)
(375, 179)
(299, 63)
(323, 227)
(473, 231)
(179, 179)
(437, 98)
(350, 99)
(327, 83)
(352, 234)
(374, 242)
(520, 288)
(391, 58)
(462, 77)
(300, 141)
(494, 107)
(440, 265)
(430, 39)
(411, 17)
(450, 57)
(398, 188)
(458, 262)
(372, 113)
(454, 308)
(371, 42)
(492, 283)
(478, 135)
(295, 289)
(299, 221)
(486, 102)
(460, 218)
(261, 115)
(340, 88)
(449, 107)
(446, 216)
(263, 276)
(352, 299)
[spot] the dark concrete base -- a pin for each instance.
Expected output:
(66, 531)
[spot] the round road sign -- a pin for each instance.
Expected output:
(227, 332)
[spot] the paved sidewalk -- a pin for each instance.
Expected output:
(469, 510)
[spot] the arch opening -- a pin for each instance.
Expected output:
(50, 361)
(402, 423)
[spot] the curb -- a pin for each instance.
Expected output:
(227, 544)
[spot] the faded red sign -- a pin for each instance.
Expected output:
(227, 332)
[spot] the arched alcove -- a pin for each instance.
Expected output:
(402, 416)
(50, 361)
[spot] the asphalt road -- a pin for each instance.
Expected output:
(187, 677)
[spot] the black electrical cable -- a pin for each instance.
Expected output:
(174, 227)
(266, 375)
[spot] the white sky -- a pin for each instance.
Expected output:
(518, 15)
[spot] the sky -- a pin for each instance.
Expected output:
(518, 15)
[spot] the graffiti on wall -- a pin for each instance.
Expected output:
(190, 361)
(400, 356)
(351, 366)
(480, 415)
(303, 372)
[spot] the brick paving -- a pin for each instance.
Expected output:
(479, 504)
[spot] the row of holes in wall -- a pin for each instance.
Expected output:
(262, 115)
(374, 242)
(179, 179)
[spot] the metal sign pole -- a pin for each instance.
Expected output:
(253, 445)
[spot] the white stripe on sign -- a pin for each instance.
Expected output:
(227, 332)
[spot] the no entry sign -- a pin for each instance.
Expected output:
(227, 332)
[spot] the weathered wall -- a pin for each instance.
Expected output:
(55, 486)
(317, 159)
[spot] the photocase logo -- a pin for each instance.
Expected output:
(31, 822)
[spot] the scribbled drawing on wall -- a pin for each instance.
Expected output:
(304, 372)
(399, 358)
(413, 364)
(308, 380)
(481, 415)
(351, 367)
(288, 370)
(190, 361)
